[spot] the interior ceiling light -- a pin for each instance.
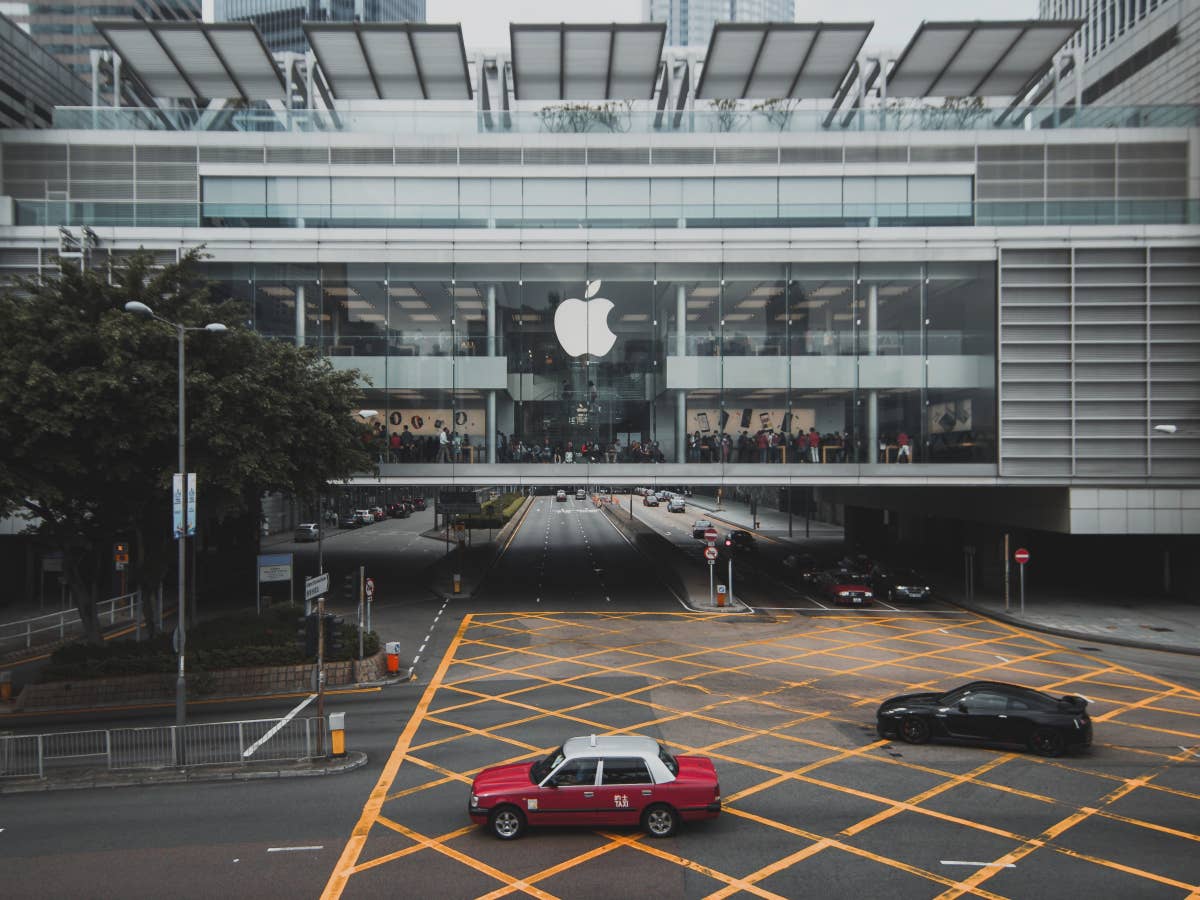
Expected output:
(699, 304)
(739, 317)
(464, 291)
(277, 290)
(412, 304)
(829, 290)
(341, 291)
(750, 303)
(403, 290)
(706, 291)
(635, 317)
(469, 304)
(423, 317)
(767, 290)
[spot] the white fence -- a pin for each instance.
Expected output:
(216, 743)
(57, 626)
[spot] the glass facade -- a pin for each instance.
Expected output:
(640, 362)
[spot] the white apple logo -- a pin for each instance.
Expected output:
(582, 325)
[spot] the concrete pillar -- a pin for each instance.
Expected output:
(300, 317)
(490, 417)
(873, 320)
(872, 426)
(680, 396)
(116, 78)
(872, 350)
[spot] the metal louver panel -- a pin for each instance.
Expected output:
(361, 156)
(243, 155)
(435, 156)
(682, 156)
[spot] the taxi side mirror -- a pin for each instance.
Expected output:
(962, 707)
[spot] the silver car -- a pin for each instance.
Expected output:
(309, 531)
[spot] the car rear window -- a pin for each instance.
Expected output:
(668, 760)
(625, 771)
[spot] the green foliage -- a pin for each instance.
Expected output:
(233, 642)
(494, 513)
(613, 115)
(89, 411)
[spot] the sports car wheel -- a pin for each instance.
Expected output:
(660, 821)
(1046, 742)
(507, 823)
(914, 730)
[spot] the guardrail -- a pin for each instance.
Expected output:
(125, 608)
(158, 747)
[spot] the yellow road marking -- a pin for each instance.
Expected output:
(350, 853)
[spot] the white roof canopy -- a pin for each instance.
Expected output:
(196, 59)
(773, 60)
(391, 61)
(586, 62)
(977, 59)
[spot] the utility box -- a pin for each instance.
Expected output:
(392, 651)
(337, 733)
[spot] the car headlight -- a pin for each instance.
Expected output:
(901, 587)
(868, 595)
(474, 799)
(843, 593)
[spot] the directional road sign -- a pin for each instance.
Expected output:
(316, 586)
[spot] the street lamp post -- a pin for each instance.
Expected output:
(141, 309)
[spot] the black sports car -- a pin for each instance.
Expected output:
(989, 712)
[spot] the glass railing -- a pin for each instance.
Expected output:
(1176, 211)
(404, 345)
(620, 119)
(799, 341)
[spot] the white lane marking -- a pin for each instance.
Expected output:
(980, 865)
(416, 659)
(292, 849)
(421, 649)
(270, 734)
(1001, 658)
(943, 631)
(1180, 746)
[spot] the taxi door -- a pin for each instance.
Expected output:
(625, 789)
(567, 797)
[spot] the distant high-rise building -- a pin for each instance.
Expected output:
(690, 22)
(1135, 52)
(32, 82)
(64, 29)
(279, 20)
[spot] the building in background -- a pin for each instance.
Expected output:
(65, 29)
(32, 82)
(280, 20)
(690, 22)
(1135, 52)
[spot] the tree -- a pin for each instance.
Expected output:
(88, 396)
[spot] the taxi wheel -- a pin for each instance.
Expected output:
(507, 823)
(660, 821)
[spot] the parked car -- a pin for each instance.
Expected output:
(399, 510)
(989, 712)
(844, 589)
(365, 516)
(901, 584)
(676, 504)
(699, 527)
(560, 497)
(378, 513)
(349, 520)
(580, 494)
(309, 531)
(601, 780)
(740, 542)
(650, 500)
(419, 503)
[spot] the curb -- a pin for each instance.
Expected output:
(355, 759)
(1074, 635)
(513, 524)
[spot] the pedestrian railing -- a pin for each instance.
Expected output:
(165, 746)
(57, 626)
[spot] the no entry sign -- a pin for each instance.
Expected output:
(1021, 556)
(710, 535)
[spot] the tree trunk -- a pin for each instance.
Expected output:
(84, 593)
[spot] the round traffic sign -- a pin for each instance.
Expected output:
(710, 553)
(710, 535)
(370, 586)
(1021, 556)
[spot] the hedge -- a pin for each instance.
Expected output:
(231, 642)
(494, 513)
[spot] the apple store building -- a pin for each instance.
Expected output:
(778, 259)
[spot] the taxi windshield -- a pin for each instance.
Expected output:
(544, 767)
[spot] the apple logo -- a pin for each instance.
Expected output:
(582, 325)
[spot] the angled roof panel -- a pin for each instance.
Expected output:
(772, 60)
(977, 59)
(391, 60)
(585, 62)
(196, 59)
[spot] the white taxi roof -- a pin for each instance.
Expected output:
(606, 745)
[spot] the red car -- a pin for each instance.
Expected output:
(597, 781)
(845, 590)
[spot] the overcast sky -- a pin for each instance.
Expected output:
(485, 22)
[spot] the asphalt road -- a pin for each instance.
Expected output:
(574, 632)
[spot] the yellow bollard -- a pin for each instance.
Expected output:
(457, 583)
(337, 734)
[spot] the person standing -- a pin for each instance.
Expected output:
(814, 444)
(443, 453)
(904, 451)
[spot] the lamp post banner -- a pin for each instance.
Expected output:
(177, 505)
(191, 504)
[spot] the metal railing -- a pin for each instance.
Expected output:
(158, 747)
(56, 626)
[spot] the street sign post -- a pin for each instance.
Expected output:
(710, 553)
(1022, 557)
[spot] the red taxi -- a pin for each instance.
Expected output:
(844, 589)
(598, 781)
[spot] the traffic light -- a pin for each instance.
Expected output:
(335, 647)
(306, 635)
(350, 588)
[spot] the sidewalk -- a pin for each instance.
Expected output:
(1152, 623)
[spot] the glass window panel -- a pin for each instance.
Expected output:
(754, 310)
(896, 289)
(313, 190)
(763, 191)
(961, 308)
(431, 191)
(475, 190)
(282, 190)
(859, 190)
(368, 191)
(821, 306)
(810, 190)
(697, 190)
(555, 191)
(891, 190)
(944, 189)
(234, 190)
